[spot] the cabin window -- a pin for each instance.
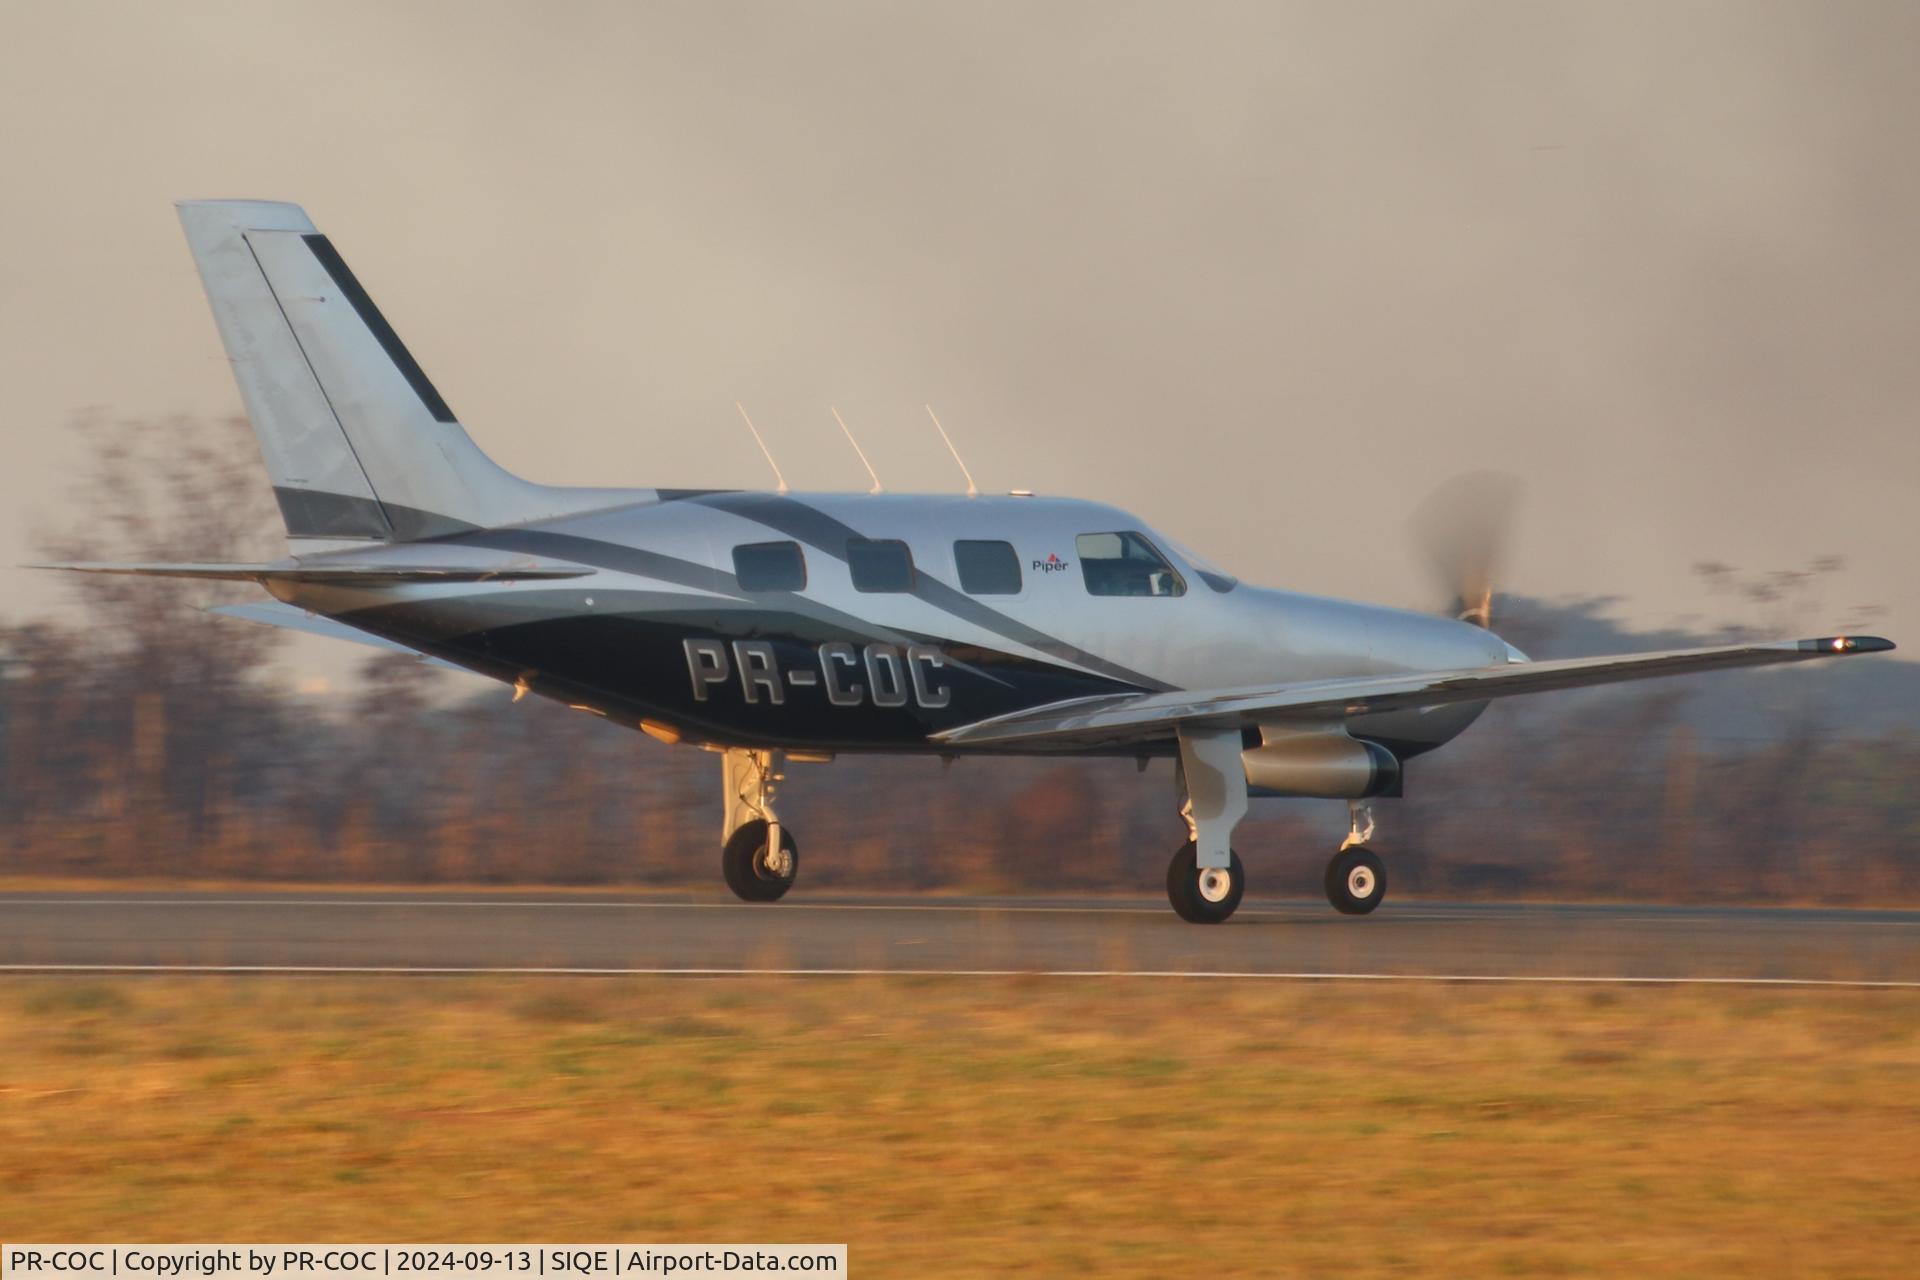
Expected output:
(770, 566)
(883, 564)
(987, 568)
(1126, 564)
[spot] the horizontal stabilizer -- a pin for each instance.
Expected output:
(271, 613)
(345, 575)
(1124, 719)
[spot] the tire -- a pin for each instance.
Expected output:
(1356, 882)
(743, 862)
(1183, 888)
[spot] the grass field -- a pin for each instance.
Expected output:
(963, 1127)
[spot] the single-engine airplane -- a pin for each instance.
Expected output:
(776, 627)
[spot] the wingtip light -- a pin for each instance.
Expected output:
(1849, 644)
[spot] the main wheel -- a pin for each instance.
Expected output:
(1356, 882)
(750, 872)
(1203, 896)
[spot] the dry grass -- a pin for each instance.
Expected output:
(954, 1127)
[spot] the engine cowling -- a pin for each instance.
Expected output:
(1327, 765)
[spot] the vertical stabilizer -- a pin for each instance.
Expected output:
(358, 442)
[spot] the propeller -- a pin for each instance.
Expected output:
(1462, 529)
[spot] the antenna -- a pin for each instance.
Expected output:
(857, 449)
(764, 451)
(973, 490)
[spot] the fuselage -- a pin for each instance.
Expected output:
(853, 622)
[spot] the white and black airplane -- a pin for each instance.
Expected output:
(772, 627)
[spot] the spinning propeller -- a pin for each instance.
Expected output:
(1462, 529)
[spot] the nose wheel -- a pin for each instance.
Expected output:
(1356, 882)
(1203, 895)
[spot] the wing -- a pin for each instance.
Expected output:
(1122, 719)
(271, 613)
(364, 575)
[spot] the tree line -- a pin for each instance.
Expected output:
(140, 737)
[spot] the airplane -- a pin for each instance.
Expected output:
(775, 628)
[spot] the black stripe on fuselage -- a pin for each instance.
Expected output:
(796, 520)
(627, 658)
(623, 558)
(602, 554)
(614, 555)
(829, 536)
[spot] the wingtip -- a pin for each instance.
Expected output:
(1847, 644)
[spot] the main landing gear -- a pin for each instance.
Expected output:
(1204, 895)
(1205, 880)
(760, 857)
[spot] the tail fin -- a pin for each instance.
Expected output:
(359, 444)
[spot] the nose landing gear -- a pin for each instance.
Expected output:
(1356, 883)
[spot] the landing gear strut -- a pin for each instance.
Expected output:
(1205, 879)
(760, 857)
(1356, 882)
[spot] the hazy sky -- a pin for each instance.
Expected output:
(1264, 273)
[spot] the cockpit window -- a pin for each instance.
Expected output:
(1211, 574)
(1126, 564)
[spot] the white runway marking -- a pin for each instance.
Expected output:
(436, 971)
(603, 905)
(1679, 916)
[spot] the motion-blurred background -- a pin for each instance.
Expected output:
(145, 738)
(1266, 274)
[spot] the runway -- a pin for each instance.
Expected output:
(612, 933)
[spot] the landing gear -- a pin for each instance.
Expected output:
(1356, 882)
(1205, 879)
(754, 870)
(1204, 895)
(760, 858)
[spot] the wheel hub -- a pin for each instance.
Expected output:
(1215, 883)
(1360, 882)
(776, 864)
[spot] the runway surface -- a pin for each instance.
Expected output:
(626, 933)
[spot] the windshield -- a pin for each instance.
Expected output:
(1211, 574)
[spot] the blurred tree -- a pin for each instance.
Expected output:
(143, 737)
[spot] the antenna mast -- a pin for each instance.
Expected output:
(973, 490)
(857, 449)
(764, 451)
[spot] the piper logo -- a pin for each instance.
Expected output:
(1052, 564)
